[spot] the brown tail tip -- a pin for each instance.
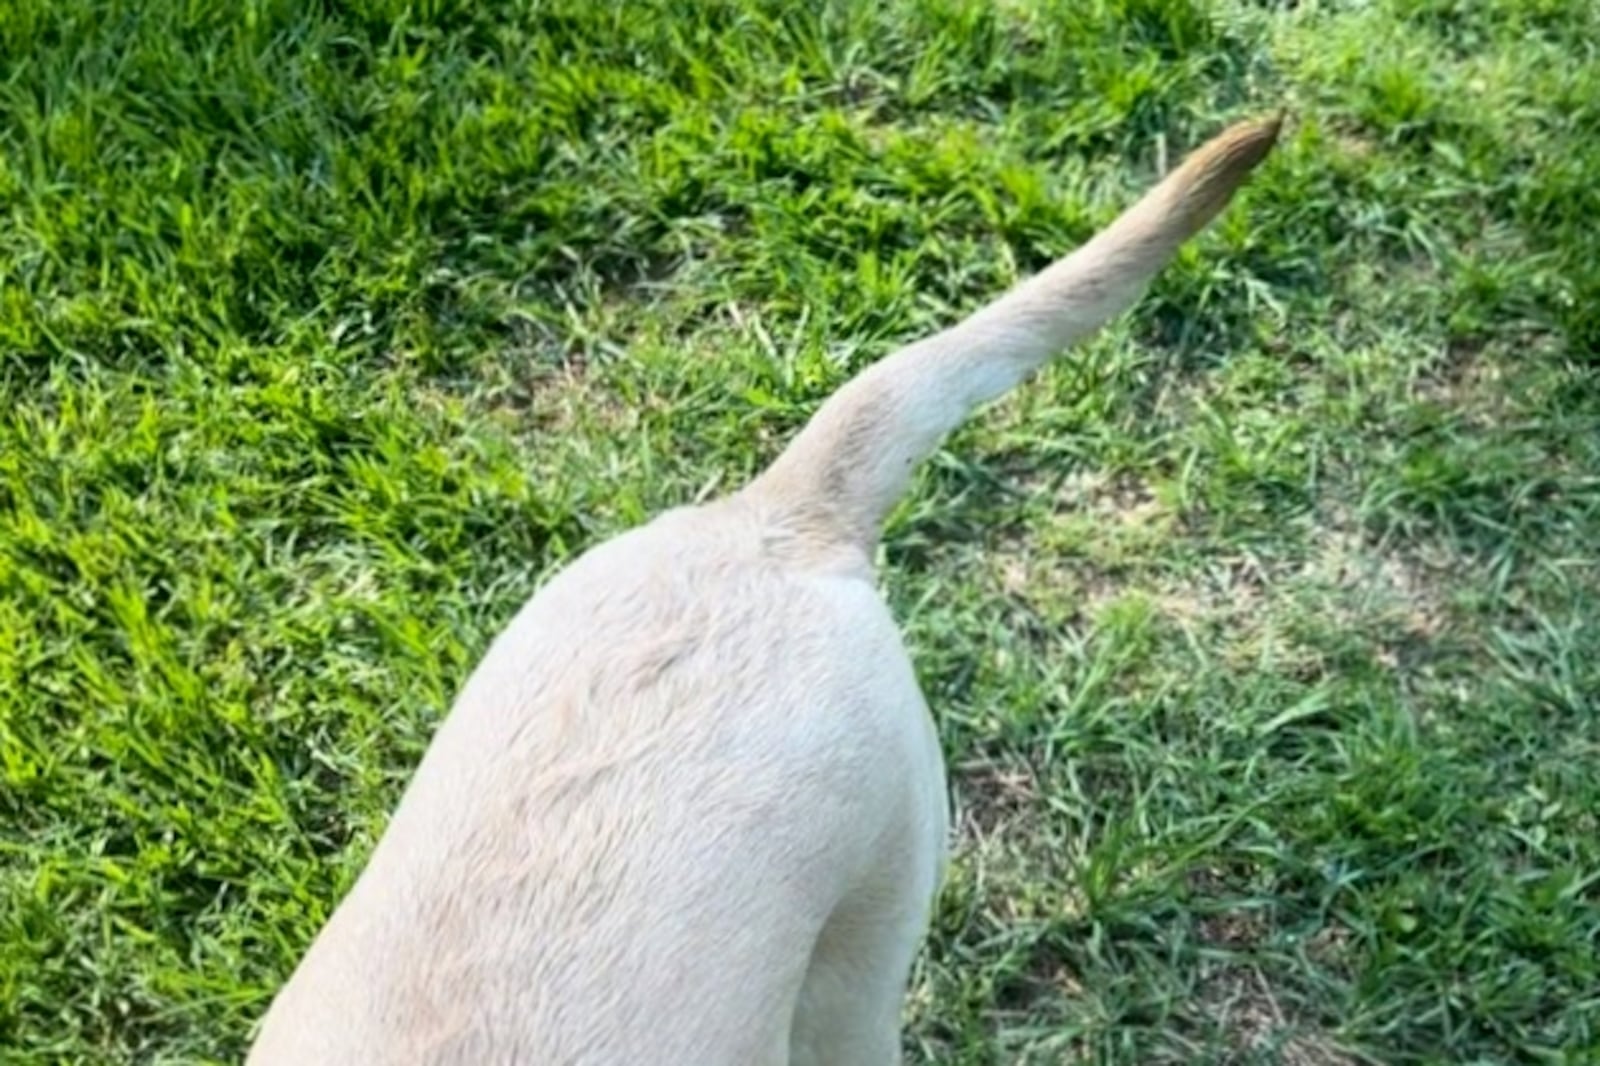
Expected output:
(1213, 172)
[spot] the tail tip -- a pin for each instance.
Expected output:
(1241, 147)
(1219, 167)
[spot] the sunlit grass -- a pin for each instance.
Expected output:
(1261, 631)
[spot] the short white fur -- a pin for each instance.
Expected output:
(690, 809)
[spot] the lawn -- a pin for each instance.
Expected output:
(1263, 632)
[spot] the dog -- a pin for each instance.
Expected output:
(690, 809)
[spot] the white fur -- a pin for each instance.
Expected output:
(690, 808)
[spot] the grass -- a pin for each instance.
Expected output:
(1261, 633)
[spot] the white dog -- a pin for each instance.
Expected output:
(690, 809)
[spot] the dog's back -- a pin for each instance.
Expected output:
(632, 844)
(689, 808)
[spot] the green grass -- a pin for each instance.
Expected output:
(1263, 633)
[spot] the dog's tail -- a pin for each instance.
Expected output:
(838, 479)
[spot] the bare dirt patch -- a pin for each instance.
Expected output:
(1255, 1022)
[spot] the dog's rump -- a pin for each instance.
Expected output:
(593, 852)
